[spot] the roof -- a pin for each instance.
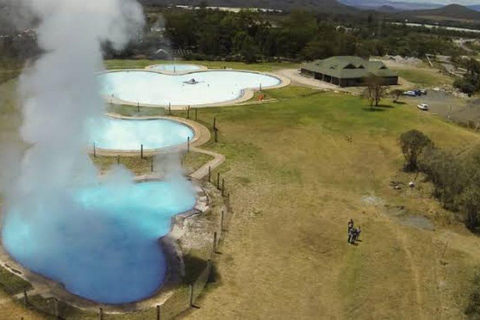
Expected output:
(349, 67)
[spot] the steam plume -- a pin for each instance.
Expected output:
(61, 92)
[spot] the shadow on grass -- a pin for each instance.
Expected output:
(194, 267)
(374, 109)
(399, 102)
(380, 107)
(385, 106)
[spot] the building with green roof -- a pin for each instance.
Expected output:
(348, 71)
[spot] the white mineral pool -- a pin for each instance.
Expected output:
(128, 135)
(175, 68)
(197, 88)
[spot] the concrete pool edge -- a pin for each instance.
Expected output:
(180, 72)
(201, 136)
(247, 94)
(169, 243)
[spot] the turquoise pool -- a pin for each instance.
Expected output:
(101, 242)
(119, 134)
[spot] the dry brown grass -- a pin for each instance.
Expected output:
(10, 310)
(191, 161)
(296, 180)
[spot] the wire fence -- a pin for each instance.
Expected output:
(21, 294)
(24, 297)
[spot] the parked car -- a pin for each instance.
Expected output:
(410, 93)
(420, 92)
(423, 106)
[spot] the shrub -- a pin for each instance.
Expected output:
(413, 143)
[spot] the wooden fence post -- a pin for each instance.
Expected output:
(25, 297)
(444, 250)
(223, 187)
(57, 310)
(214, 249)
(188, 144)
(222, 220)
(158, 312)
(100, 314)
(209, 270)
(214, 123)
(218, 180)
(141, 151)
(209, 174)
(191, 295)
(94, 150)
(151, 165)
(138, 107)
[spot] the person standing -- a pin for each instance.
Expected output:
(357, 234)
(350, 224)
(349, 231)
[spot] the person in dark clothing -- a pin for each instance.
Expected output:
(356, 234)
(350, 224)
(349, 230)
(351, 236)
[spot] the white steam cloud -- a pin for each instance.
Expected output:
(61, 91)
(60, 99)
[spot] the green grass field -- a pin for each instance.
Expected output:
(132, 64)
(425, 77)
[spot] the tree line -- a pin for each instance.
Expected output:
(455, 178)
(299, 35)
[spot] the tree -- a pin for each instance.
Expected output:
(396, 94)
(375, 90)
(470, 83)
(243, 44)
(413, 143)
(469, 203)
(464, 85)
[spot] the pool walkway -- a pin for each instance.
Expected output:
(202, 172)
(202, 136)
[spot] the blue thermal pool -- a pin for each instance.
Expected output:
(175, 68)
(118, 134)
(197, 88)
(101, 242)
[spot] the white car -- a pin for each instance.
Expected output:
(423, 106)
(410, 93)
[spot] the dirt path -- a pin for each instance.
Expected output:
(415, 272)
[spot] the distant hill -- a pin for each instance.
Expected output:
(323, 5)
(475, 7)
(386, 5)
(386, 9)
(380, 5)
(453, 11)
